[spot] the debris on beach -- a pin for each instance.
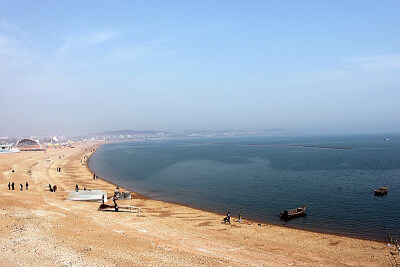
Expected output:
(123, 195)
(105, 207)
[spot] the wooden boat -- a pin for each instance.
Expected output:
(106, 207)
(289, 214)
(381, 191)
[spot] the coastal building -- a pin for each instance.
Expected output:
(54, 140)
(28, 144)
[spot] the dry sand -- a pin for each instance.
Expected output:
(38, 227)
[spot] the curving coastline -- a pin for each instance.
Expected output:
(39, 226)
(170, 182)
(252, 221)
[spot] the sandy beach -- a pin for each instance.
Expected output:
(39, 227)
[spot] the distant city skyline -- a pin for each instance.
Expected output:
(75, 68)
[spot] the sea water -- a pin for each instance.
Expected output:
(262, 176)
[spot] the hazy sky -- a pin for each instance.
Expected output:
(79, 67)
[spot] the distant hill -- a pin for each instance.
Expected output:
(130, 132)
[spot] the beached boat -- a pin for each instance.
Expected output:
(289, 214)
(8, 149)
(88, 195)
(381, 191)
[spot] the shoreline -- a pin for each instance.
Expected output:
(252, 221)
(39, 226)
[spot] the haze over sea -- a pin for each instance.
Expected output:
(261, 176)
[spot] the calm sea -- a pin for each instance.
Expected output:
(262, 176)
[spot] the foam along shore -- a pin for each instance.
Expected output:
(37, 225)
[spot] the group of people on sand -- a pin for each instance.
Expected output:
(11, 186)
(58, 169)
(52, 188)
(77, 188)
(227, 219)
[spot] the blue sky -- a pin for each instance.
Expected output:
(78, 67)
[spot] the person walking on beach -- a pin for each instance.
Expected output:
(115, 202)
(76, 188)
(240, 217)
(22, 187)
(26, 185)
(94, 176)
(12, 185)
(49, 187)
(9, 185)
(228, 215)
(116, 207)
(115, 199)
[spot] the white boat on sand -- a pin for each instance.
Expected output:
(88, 195)
(8, 149)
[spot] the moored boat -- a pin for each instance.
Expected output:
(289, 214)
(381, 191)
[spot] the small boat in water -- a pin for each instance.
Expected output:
(289, 214)
(381, 191)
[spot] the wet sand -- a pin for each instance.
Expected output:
(38, 227)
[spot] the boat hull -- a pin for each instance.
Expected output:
(380, 191)
(294, 213)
